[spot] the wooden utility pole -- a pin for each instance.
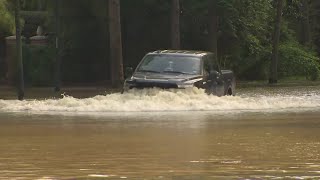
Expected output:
(20, 78)
(175, 24)
(117, 75)
(213, 28)
(276, 38)
(57, 78)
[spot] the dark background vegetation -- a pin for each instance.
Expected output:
(245, 32)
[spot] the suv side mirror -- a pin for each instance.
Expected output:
(128, 72)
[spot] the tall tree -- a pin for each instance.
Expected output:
(213, 28)
(20, 85)
(175, 24)
(315, 19)
(40, 5)
(306, 33)
(117, 75)
(57, 77)
(275, 46)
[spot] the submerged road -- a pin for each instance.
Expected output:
(260, 134)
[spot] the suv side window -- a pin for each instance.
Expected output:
(210, 63)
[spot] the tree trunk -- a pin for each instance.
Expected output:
(175, 24)
(213, 28)
(40, 5)
(276, 37)
(315, 18)
(57, 77)
(117, 75)
(20, 85)
(306, 34)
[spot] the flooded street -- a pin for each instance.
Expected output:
(262, 133)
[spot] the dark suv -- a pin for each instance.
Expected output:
(181, 69)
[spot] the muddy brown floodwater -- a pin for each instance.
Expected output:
(273, 142)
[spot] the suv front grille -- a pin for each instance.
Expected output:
(142, 85)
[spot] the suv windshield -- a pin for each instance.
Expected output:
(170, 64)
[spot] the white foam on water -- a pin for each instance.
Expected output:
(156, 100)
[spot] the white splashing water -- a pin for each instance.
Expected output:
(155, 100)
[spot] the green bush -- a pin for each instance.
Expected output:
(39, 65)
(6, 20)
(250, 68)
(313, 73)
(295, 60)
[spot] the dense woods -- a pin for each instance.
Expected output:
(258, 40)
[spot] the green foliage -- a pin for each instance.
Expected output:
(245, 38)
(245, 31)
(244, 35)
(84, 37)
(6, 19)
(292, 10)
(39, 65)
(295, 60)
(34, 4)
(315, 23)
(314, 73)
(253, 25)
